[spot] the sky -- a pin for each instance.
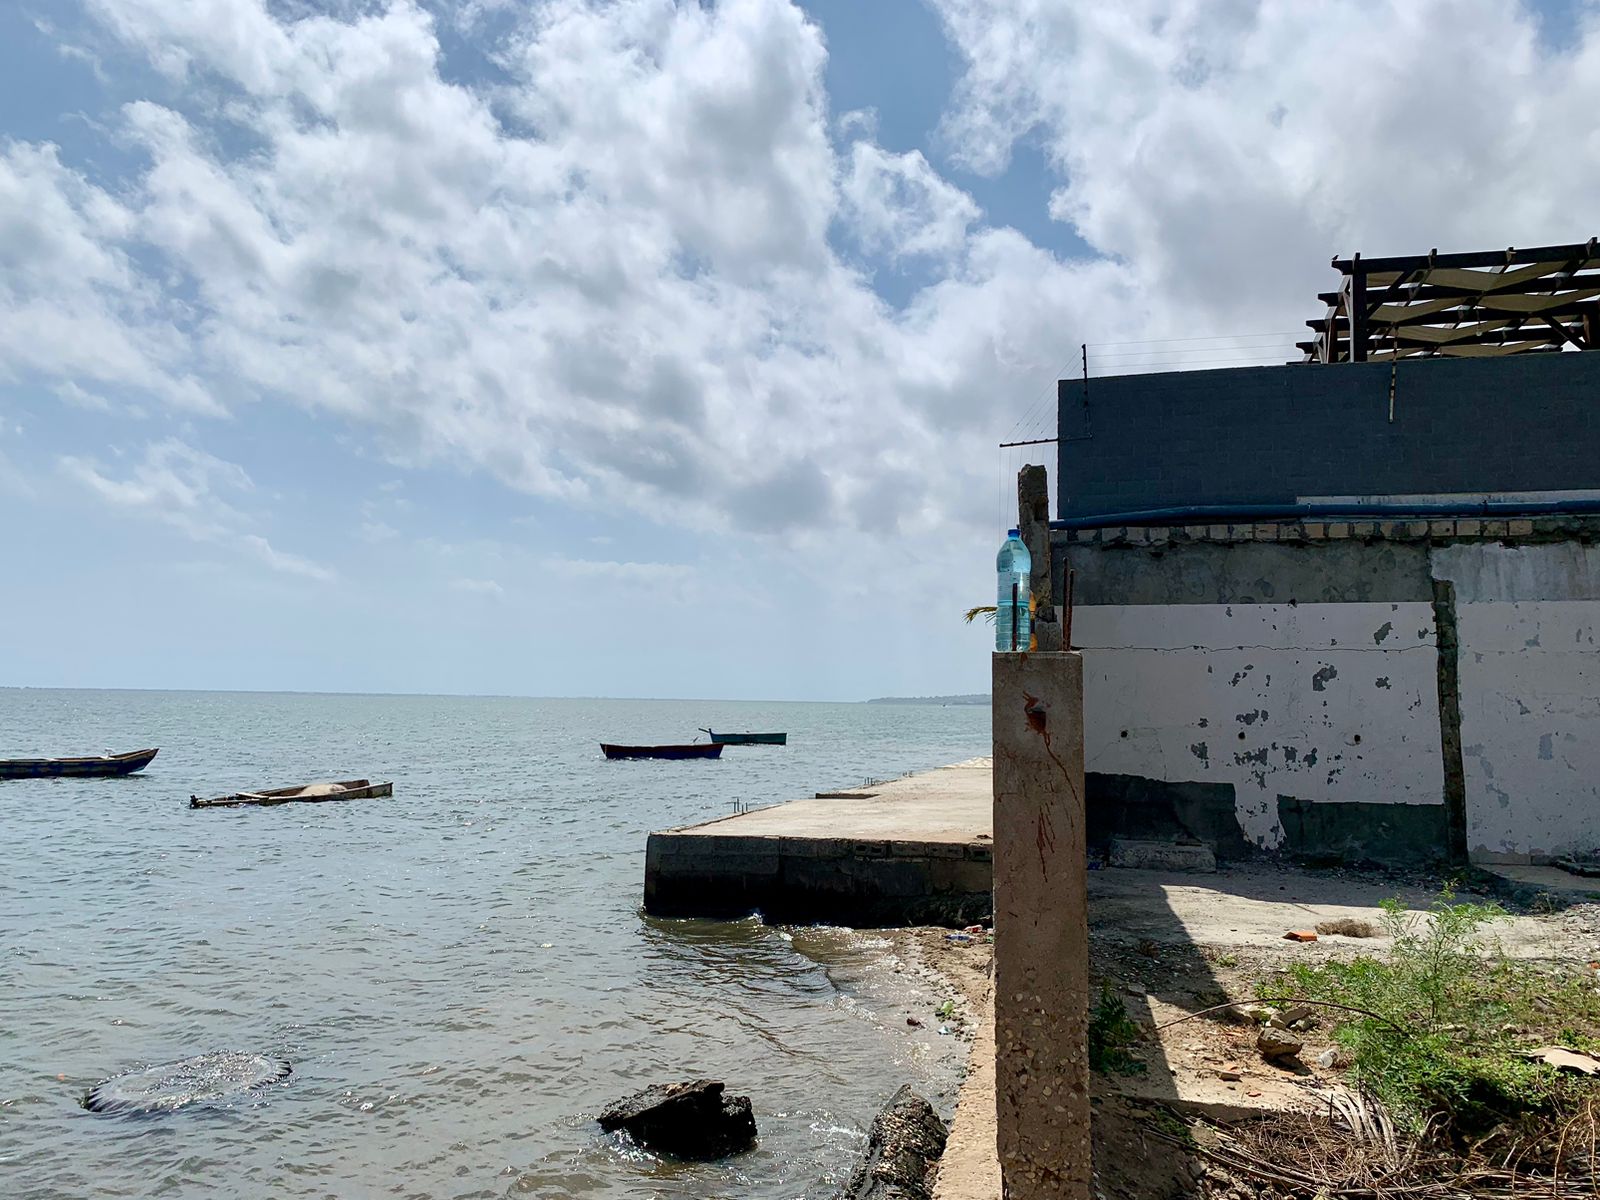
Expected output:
(632, 348)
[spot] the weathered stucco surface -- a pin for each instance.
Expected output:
(1528, 618)
(1317, 702)
(1227, 684)
(1041, 947)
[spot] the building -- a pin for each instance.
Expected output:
(1348, 608)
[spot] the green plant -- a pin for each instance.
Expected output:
(1429, 1037)
(1436, 955)
(1111, 1032)
(986, 611)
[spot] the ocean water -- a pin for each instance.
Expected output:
(461, 976)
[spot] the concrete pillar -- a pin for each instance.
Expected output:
(1033, 526)
(1041, 933)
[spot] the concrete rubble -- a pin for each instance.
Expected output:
(904, 1146)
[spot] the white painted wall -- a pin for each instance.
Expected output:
(1527, 619)
(1169, 689)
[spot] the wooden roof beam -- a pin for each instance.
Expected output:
(1484, 258)
(1434, 291)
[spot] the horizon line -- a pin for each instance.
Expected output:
(30, 687)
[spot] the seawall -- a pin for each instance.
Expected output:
(912, 851)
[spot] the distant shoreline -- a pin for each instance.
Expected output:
(8, 688)
(975, 699)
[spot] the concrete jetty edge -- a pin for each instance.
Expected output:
(915, 851)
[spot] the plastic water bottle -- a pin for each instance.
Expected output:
(1013, 623)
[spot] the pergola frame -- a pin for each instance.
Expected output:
(1484, 304)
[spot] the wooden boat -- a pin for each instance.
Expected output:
(747, 739)
(76, 768)
(310, 793)
(697, 750)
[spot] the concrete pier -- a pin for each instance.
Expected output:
(912, 851)
(1041, 939)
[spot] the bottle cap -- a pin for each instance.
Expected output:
(1013, 533)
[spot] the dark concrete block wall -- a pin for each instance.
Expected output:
(1271, 435)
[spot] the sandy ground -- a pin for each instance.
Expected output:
(1170, 945)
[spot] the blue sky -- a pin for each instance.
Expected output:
(577, 348)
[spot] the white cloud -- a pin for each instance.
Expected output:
(609, 280)
(664, 583)
(1222, 155)
(900, 207)
(622, 293)
(188, 489)
(71, 394)
(278, 560)
(621, 572)
(479, 587)
(74, 306)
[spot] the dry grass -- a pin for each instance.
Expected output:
(1354, 1151)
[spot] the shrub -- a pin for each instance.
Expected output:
(1111, 1032)
(1429, 1038)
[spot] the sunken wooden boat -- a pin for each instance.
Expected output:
(76, 768)
(309, 793)
(695, 750)
(747, 739)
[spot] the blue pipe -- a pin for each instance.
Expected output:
(1200, 514)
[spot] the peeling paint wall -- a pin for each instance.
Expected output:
(1528, 618)
(1318, 702)
(1285, 692)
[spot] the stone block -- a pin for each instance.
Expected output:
(925, 849)
(1316, 530)
(1363, 529)
(1340, 529)
(1471, 528)
(1242, 533)
(1494, 529)
(1441, 528)
(1217, 533)
(1519, 528)
(1162, 856)
(1266, 532)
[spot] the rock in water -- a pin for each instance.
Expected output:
(904, 1145)
(687, 1120)
(172, 1086)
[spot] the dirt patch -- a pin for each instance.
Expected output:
(1207, 1114)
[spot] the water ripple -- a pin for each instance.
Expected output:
(460, 975)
